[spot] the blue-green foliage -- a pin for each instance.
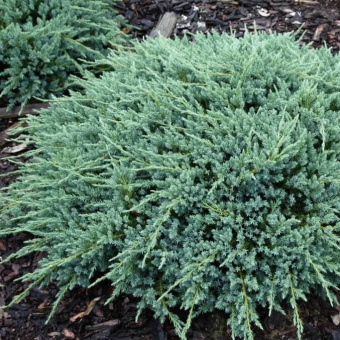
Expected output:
(199, 175)
(41, 43)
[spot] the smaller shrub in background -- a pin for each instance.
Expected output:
(42, 42)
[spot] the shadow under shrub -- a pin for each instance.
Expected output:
(42, 42)
(199, 175)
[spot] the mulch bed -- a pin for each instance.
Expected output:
(320, 22)
(82, 314)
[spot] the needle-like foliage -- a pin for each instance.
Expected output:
(42, 42)
(199, 175)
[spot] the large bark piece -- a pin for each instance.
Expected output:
(28, 109)
(165, 26)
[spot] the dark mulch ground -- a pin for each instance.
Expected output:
(26, 320)
(320, 21)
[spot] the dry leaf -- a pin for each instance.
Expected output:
(68, 334)
(87, 311)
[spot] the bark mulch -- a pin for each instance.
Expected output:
(319, 21)
(82, 314)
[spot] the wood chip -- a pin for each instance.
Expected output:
(336, 319)
(5, 134)
(43, 304)
(318, 32)
(263, 12)
(2, 246)
(107, 324)
(165, 26)
(15, 149)
(87, 311)
(306, 2)
(54, 334)
(99, 313)
(68, 334)
(16, 268)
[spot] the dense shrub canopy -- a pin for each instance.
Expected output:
(200, 175)
(42, 42)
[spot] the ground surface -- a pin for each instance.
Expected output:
(82, 314)
(320, 21)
